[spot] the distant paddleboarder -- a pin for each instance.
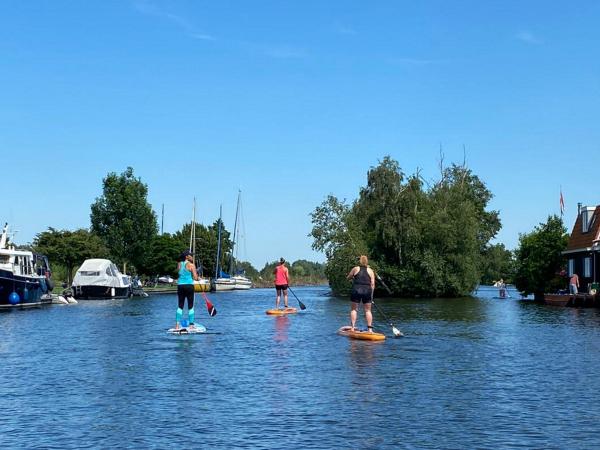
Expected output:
(282, 281)
(363, 284)
(185, 287)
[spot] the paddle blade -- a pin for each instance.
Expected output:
(302, 306)
(212, 311)
(397, 332)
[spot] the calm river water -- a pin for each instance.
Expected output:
(471, 373)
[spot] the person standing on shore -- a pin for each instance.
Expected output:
(363, 285)
(574, 284)
(185, 287)
(282, 281)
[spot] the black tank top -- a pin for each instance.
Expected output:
(362, 278)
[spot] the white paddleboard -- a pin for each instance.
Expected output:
(187, 330)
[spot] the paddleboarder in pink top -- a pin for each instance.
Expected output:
(282, 280)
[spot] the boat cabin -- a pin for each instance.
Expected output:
(583, 248)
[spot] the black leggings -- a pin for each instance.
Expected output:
(185, 291)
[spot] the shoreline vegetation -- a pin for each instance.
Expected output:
(424, 238)
(432, 238)
(124, 229)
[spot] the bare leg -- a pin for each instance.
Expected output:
(285, 299)
(353, 314)
(369, 316)
(277, 300)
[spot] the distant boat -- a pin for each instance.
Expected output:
(202, 284)
(239, 279)
(222, 281)
(24, 276)
(100, 279)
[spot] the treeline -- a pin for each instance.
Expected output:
(301, 272)
(124, 228)
(423, 239)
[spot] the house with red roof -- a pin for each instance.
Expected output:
(584, 246)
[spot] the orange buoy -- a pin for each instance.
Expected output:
(281, 312)
(362, 335)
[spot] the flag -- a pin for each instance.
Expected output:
(562, 203)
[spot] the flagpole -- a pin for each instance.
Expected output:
(561, 203)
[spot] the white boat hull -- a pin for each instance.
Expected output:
(224, 284)
(242, 283)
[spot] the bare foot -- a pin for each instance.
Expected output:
(177, 326)
(369, 329)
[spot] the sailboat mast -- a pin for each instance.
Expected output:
(219, 242)
(233, 242)
(193, 228)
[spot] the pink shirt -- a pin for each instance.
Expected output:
(281, 275)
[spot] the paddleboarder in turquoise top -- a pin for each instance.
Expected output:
(363, 285)
(185, 287)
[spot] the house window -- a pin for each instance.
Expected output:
(571, 267)
(587, 267)
(587, 217)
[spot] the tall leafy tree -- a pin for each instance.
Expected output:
(539, 258)
(206, 245)
(162, 257)
(124, 219)
(69, 248)
(498, 262)
(423, 241)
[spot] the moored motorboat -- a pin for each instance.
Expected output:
(24, 276)
(223, 283)
(100, 279)
(242, 282)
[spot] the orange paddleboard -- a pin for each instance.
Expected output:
(281, 312)
(362, 335)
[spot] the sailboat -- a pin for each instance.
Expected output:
(202, 284)
(241, 281)
(222, 281)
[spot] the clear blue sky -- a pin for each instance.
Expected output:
(291, 101)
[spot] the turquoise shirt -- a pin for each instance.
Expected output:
(185, 276)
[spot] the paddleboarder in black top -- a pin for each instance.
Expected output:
(363, 284)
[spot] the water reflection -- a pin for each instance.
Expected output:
(282, 323)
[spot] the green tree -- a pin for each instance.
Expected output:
(206, 246)
(162, 257)
(422, 241)
(336, 233)
(301, 272)
(124, 219)
(248, 269)
(539, 258)
(69, 248)
(498, 262)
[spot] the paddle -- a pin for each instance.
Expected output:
(299, 302)
(212, 311)
(396, 331)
